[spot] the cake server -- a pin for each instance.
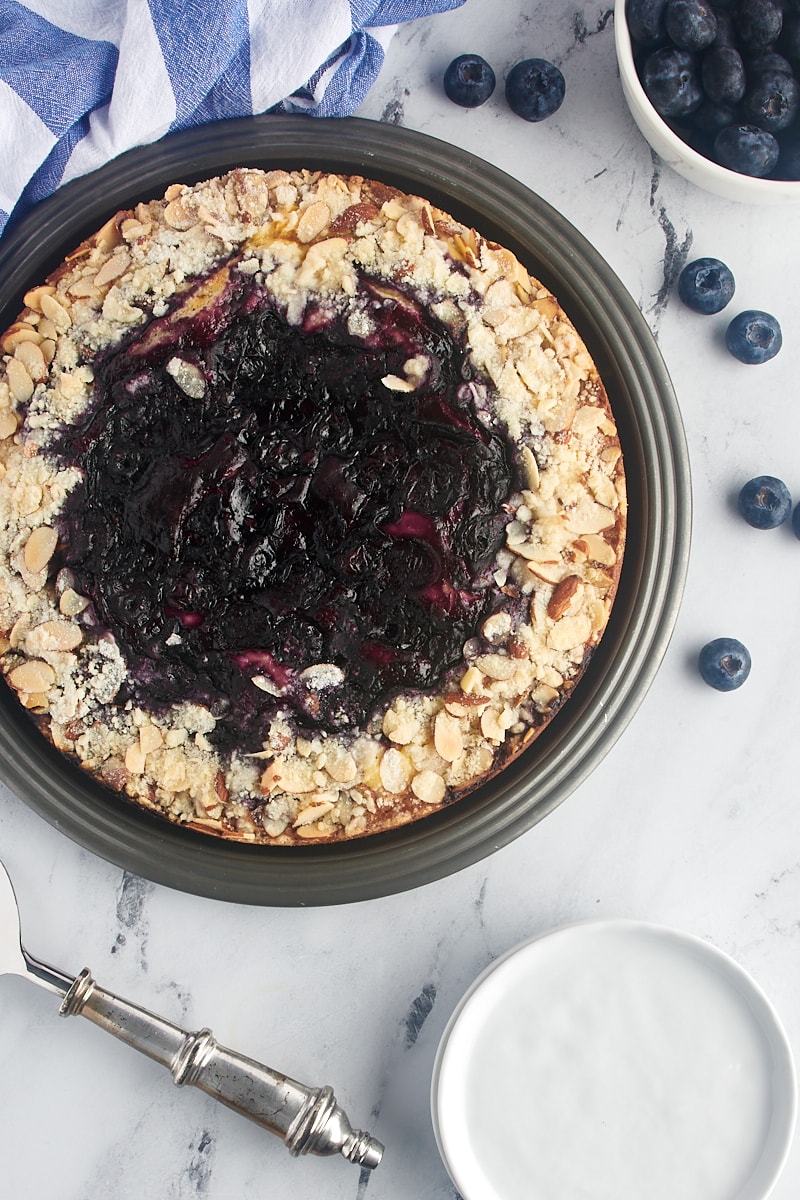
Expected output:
(309, 1120)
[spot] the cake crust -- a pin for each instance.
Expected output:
(308, 240)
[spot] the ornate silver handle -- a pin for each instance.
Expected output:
(309, 1120)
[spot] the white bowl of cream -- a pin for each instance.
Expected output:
(614, 1060)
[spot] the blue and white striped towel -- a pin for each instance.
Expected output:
(83, 80)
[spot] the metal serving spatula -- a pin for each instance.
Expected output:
(307, 1119)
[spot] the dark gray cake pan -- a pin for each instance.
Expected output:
(655, 564)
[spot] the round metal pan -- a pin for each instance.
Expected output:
(653, 575)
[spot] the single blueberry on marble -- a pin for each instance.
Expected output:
(796, 521)
(724, 663)
(765, 502)
(469, 80)
(535, 89)
(706, 285)
(754, 336)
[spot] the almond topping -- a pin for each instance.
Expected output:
(31, 357)
(56, 312)
(19, 381)
(39, 548)
(312, 813)
(395, 771)
(58, 635)
(32, 676)
(18, 333)
(33, 298)
(150, 738)
(312, 221)
(496, 666)
(8, 423)
(135, 758)
(429, 787)
(563, 595)
(112, 268)
(447, 737)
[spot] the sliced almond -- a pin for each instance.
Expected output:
(496, 666)
(135, 759)
(570, 632)
(471, 682)
(108, 236)
(496, 628)
(447, 737)
(39, 548)
(33, 298)
(70, 603)
(563, 595)
(19, 381)
(491, 727)
(55, 311)
(598, 549)
(18, 333)
(112, 268)
(429, 787)
(34, 675)
(31, 357)
(8, 423)
(312, 221)
(311, 814)
(400, 728)
(549, 571)
(340, 765)
(58, 635)
(150, 738)
(395, 771)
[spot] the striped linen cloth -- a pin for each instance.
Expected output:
(81, 81)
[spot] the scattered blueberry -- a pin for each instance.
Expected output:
(722, 73)
(690, 24)
(796, 521)
(706, 285)
(758, 23)
(771, 100)
(724, 664)
(535, 89)
(671, 81)
(753, 337)
(765, 502)
(469, 80)
(746, 149)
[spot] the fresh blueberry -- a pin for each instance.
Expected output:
(724, 664)
(722, 73)
(765, 502)
(758, 23)
(671, 81)
(535, 89)
(469, 80)
(789, 43)
(706, 285)
(726, 30)
(770, 60)
(771, 100)
(753, 337)
(710, 118)
(746, 149)
(789, 158)
(690, 24)
(796, 521)
(646, 22)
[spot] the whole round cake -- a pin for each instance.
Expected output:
(312, 506)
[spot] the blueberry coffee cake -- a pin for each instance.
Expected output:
(312, 507)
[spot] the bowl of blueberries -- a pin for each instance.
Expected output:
(714, 89)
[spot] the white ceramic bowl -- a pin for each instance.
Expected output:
(614, 1058)
(675, 152)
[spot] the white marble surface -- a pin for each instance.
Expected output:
(691, 820)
